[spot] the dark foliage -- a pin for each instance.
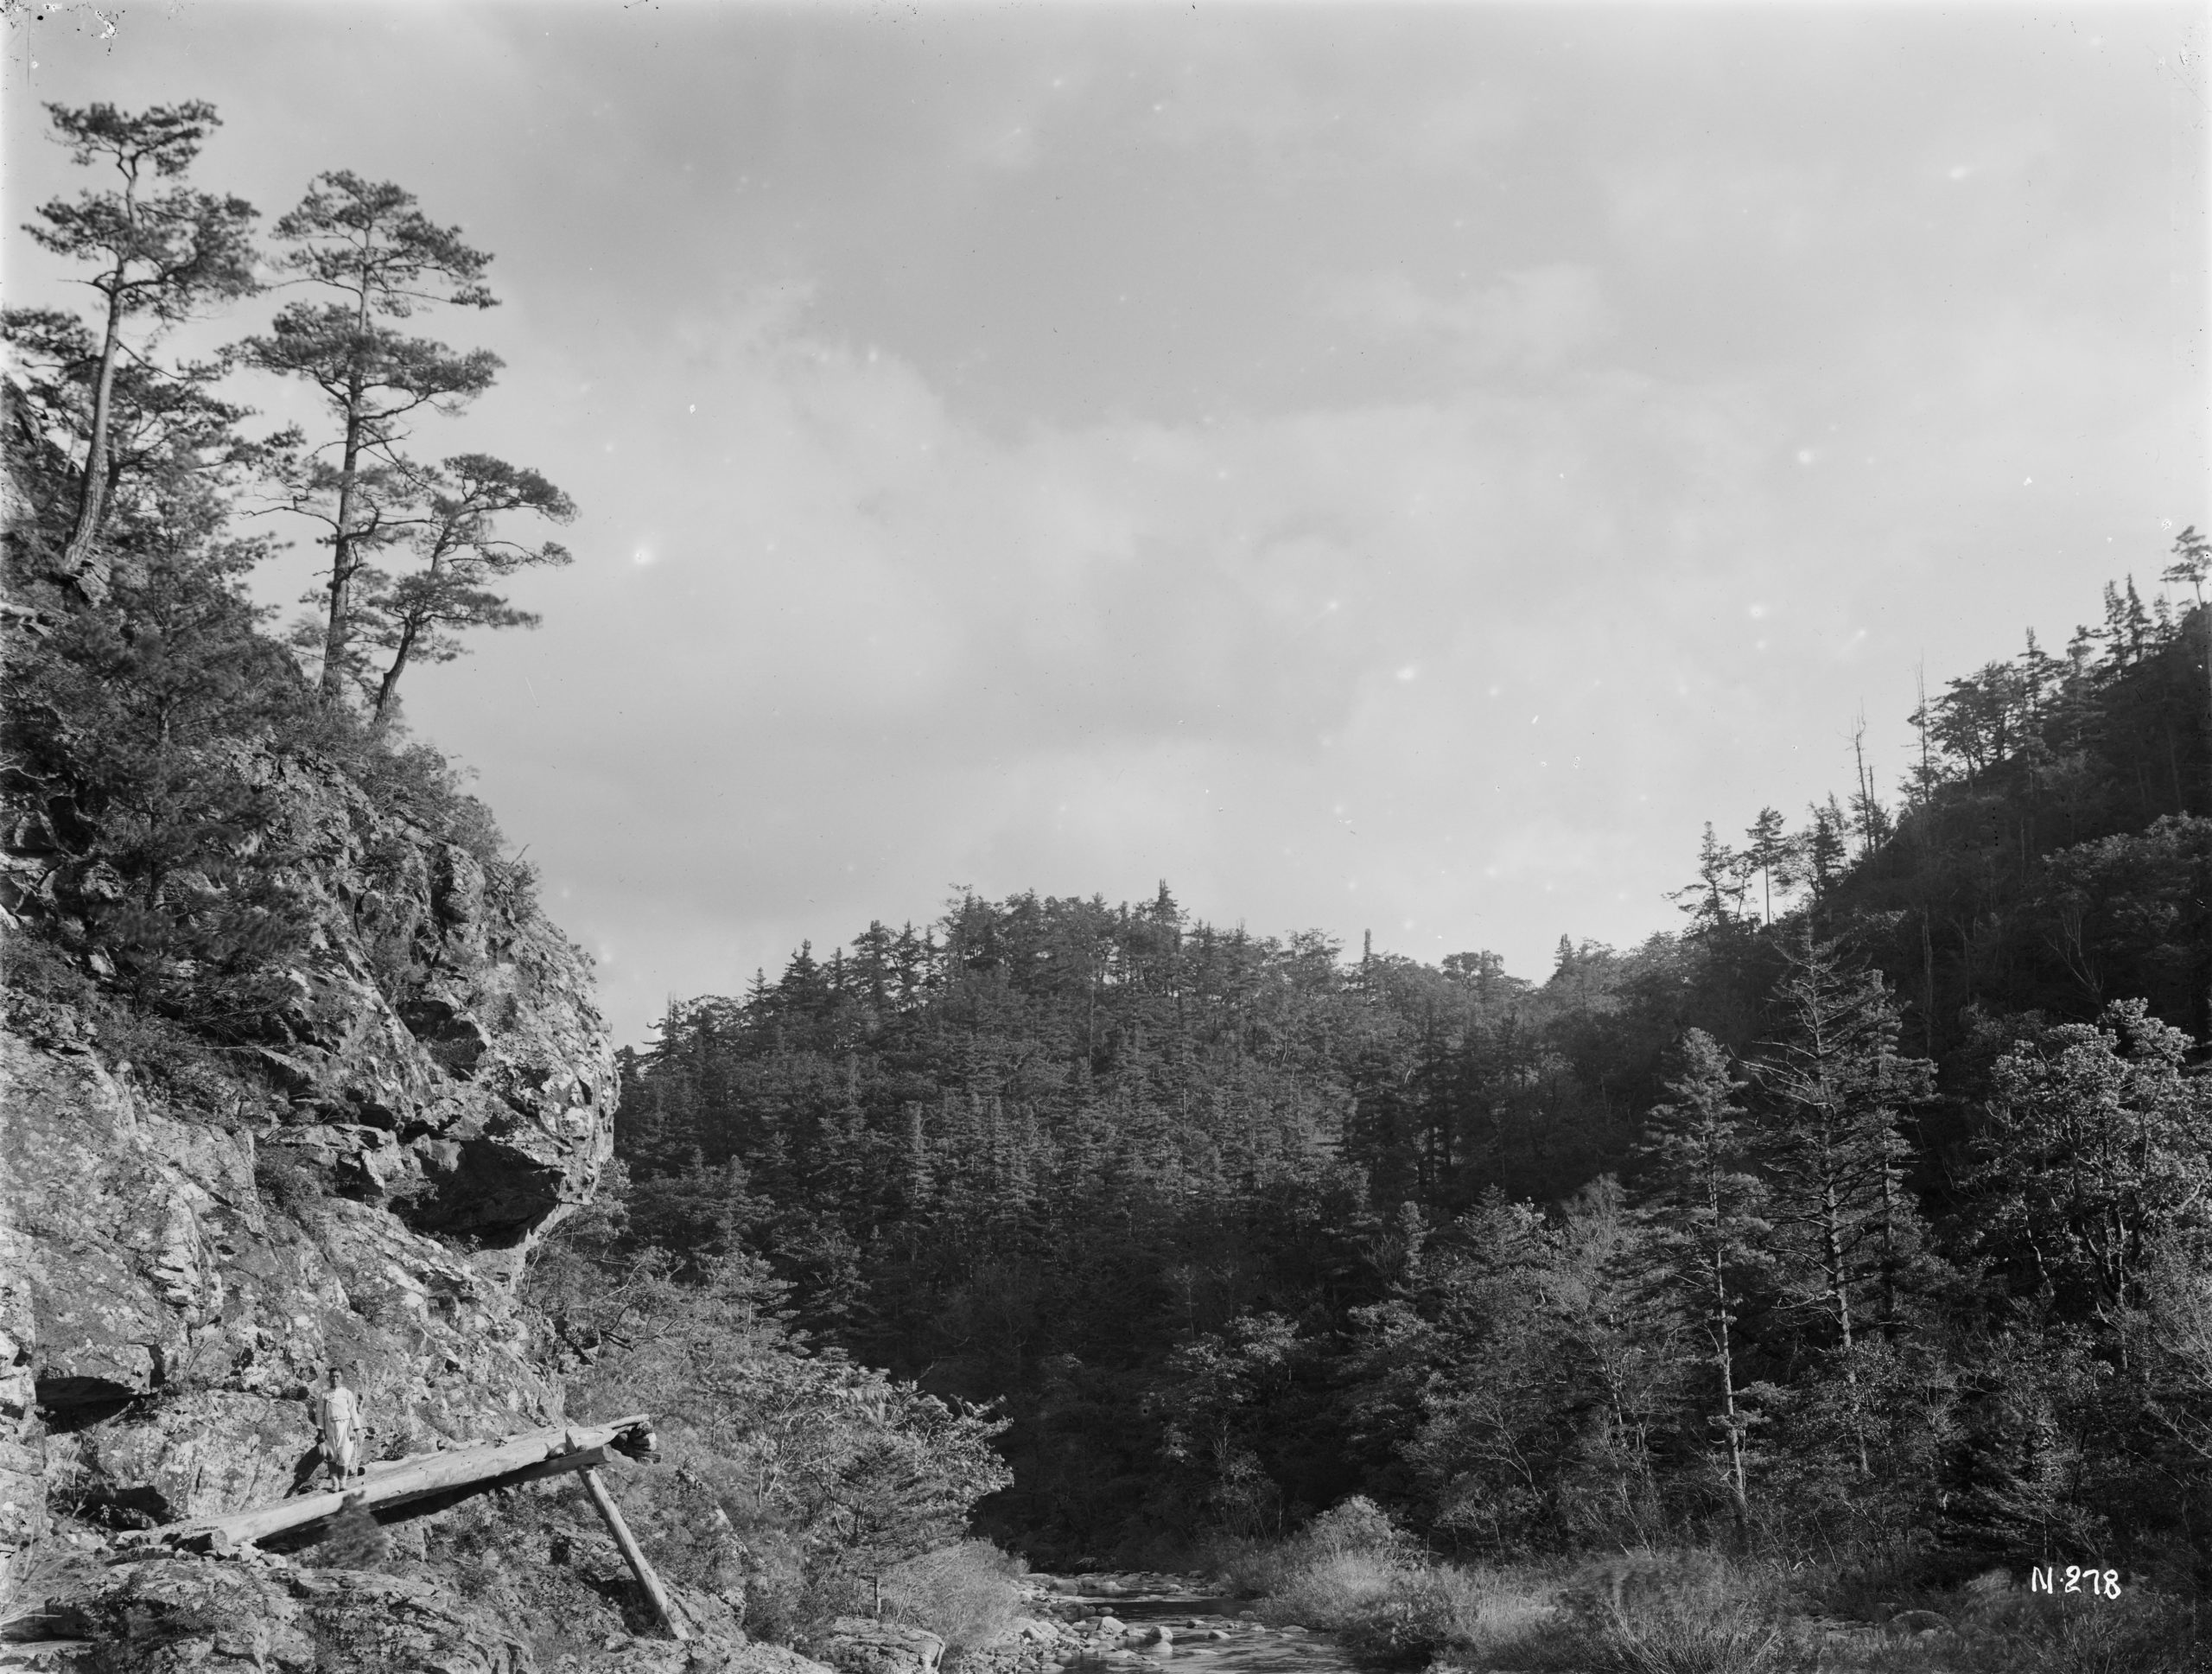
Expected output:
(1238, 1228)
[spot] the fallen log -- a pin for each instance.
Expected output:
(524, 1458)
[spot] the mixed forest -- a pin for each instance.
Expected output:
(1870, 1206)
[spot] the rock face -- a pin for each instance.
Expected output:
(168, 1614)
(171, 1615)
(431, 1088)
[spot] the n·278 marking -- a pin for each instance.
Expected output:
(2100, 1584)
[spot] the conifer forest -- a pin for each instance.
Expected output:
(1866, 1201)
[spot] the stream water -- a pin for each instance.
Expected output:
(1210, 1638)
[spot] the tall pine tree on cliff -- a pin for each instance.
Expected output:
(381, 258)
(163, 253)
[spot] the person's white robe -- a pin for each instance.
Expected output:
(339, 1412)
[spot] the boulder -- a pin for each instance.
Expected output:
(702, 1656)
(1920, 1621)
(166, 1615)
(859, 1644)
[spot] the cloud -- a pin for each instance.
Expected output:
(1054, 433)
(1535, 319)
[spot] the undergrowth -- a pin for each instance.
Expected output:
(1694, 1611)
(966, 1594)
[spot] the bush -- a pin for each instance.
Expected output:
(965, 1594)
(1244, 1567)
(1689, 1613)
(1424, 1609)
(1357, 1526)
(1353, 1572)
(2141, 1632)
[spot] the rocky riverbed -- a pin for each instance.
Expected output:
(1142, 1622)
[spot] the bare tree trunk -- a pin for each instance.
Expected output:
(388, 686)
(77, 564)
(1839, 1295)
(1738, 1491)
(343, 564)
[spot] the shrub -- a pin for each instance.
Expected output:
(1353, 1572)
(1690, 1612)
(1328, 1590)
(1244, 1567)
(1425, 1609)
(1357, 1526)
(965, 1594)
(2141, 1632)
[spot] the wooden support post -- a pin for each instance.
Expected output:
(639, 1565)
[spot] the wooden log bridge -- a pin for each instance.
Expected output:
(457, 1473)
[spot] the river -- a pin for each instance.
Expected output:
(1212, 1634)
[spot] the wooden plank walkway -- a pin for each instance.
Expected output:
(458, 1473)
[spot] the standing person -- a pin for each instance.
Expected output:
(338, 1414)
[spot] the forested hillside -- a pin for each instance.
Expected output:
(1873, 1201)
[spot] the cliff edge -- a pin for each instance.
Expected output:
(349, 1182)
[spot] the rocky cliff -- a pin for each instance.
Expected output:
(347, 1177)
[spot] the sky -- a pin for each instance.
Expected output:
(1378, 469)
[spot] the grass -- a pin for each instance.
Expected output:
(1699, 1612)
(965, 1594)
(1353, 1573)
(1393, 1608)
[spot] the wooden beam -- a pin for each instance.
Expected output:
(639, 1565)
(524, 1458)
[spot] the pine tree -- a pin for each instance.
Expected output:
(415, 617)
(1835, 1090)
(1699, 1190)
(1775, 855)
(1826, 852)
(160, 253)
(384, 258)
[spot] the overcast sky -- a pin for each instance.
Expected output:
(1374, 468)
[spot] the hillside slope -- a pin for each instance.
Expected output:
(296, 1076)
